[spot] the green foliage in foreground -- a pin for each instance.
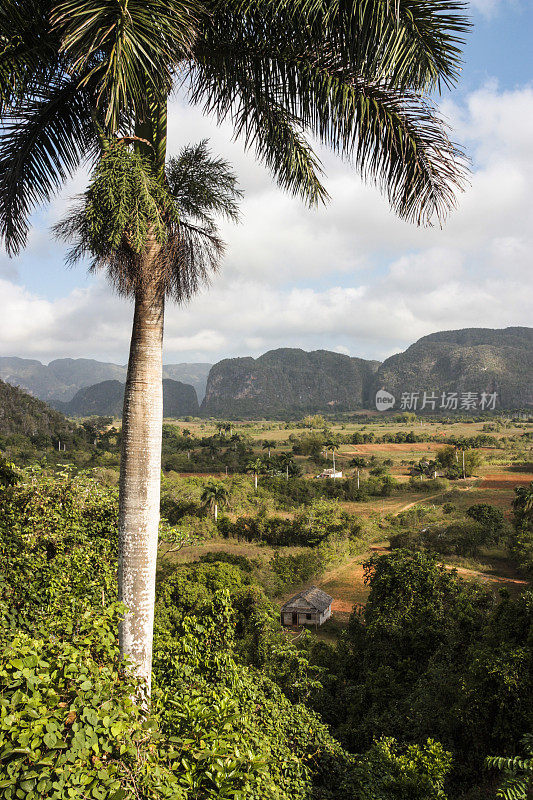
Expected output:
(518, 772)
(227, 721)
(432, 655)
(522, 539)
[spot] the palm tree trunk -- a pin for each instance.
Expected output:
(140, 477)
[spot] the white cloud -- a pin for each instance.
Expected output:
(489, 8)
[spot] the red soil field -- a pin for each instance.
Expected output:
(505, 480)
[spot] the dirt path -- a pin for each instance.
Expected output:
(416, 502)
(345, 583)
(347, 587)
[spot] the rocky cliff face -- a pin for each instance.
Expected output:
(472, 360)
(287, 381)
(107, 398)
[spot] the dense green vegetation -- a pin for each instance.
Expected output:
(25, 416)
(407, 700)
(431, 655)
(230, 713)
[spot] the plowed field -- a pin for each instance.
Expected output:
(506, 480)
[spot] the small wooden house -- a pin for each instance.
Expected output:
(310, 607)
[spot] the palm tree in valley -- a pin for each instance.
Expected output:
(255, 468)
(236, 439)
(214, 495)
(286, 463)
(523, 506)
(331, 443)
(87, 81)
(269, 444)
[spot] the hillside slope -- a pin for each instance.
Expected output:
(469, 360)
(287, 381)
(107, 398)
(22, 414)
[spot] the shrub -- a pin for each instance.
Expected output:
(490, 517)
(69, 726)
(298, 568)
(243, 563)
(416, 772)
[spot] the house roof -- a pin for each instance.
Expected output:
(314, 596)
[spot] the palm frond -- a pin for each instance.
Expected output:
(28, 53)
(414, 43)
(42, 142)
(126, 47)
(272, 131)
(185, 262)
(191, 257)
(396, 139)
(202, 185)
(394, 136)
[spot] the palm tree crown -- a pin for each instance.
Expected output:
(214, 494)
(201, 187)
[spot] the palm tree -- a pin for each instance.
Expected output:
(83, 81)
(286, 463)
(214, 495)
(200, 187)
(269, 445)
(523, 506)
(255, 467)
(330, 444)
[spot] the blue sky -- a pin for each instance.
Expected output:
(350, 277)
(499, 45)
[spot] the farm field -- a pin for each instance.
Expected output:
(383, 493)
(504, 466)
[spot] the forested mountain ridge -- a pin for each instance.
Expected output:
(288, 380)
(469, 360)
(107, 398)
(63, 377)
(294, 381)
(22, 414)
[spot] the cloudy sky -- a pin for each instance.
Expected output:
(349, 277)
